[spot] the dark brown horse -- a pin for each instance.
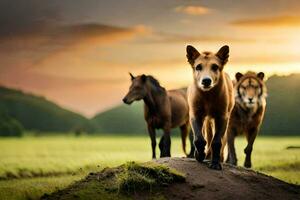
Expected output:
(162, 110)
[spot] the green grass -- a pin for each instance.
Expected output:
(146, 176)
(33, 188)
(32, 166)
(122, 182)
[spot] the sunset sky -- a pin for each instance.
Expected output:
(78, 53)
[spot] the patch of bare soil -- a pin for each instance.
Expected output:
(200, 182)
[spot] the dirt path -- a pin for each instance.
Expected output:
(200, 183)
(230, 183)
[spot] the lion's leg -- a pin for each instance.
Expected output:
(250, 135)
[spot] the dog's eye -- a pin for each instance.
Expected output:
(214, 67)
(199, 67)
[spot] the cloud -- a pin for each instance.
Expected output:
(35, 39)
(41, 27)
(35, 32)
(161, 37)
(54, 37)
(277, 21)
(193, 10)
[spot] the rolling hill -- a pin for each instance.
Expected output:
(37, 113)
(20, 110)
(282, 115)
(122, 119)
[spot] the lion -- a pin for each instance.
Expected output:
(248, 113)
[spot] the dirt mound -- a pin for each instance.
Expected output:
(177, 178)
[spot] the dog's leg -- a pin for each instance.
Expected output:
(191, 138)
(199, 141)
(251, 135)
(231, 158)
(152, 135)
(221, 123)
(209, 136)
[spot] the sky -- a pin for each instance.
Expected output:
(78, 53)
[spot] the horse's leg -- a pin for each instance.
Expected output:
(166, 142)
(250, 135)
(221, 124)
(152, 135)
(161, 146)
(199, 141)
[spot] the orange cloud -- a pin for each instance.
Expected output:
(58, 36)
(278, 21)
(193, 10)
(161, 37)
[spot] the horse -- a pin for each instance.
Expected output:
(163, 109)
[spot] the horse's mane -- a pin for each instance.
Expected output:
(155, 83)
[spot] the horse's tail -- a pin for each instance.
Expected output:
(184, 135)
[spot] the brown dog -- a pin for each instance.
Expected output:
(248, 113)
(211, 101)
(163, 110)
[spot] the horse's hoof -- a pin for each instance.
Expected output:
(215, 166)
(247, 165)
(199, 156)
(163, 155)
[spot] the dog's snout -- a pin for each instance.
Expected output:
(250, 100)
(206, 82)
(124, 100)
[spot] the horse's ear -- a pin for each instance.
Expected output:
(223, 54)
(131, 76)
(144, 77)
(238, 76)
(191, 54)
(261, 75)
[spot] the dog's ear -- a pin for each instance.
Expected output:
(260, 75)
(131, 76)
(238, 76)
(192, 54)
(144, 77)
(223, 54)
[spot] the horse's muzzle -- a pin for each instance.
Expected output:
(125, 100)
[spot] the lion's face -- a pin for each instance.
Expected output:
(250, 89)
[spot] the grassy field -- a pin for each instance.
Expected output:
(32, 166)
